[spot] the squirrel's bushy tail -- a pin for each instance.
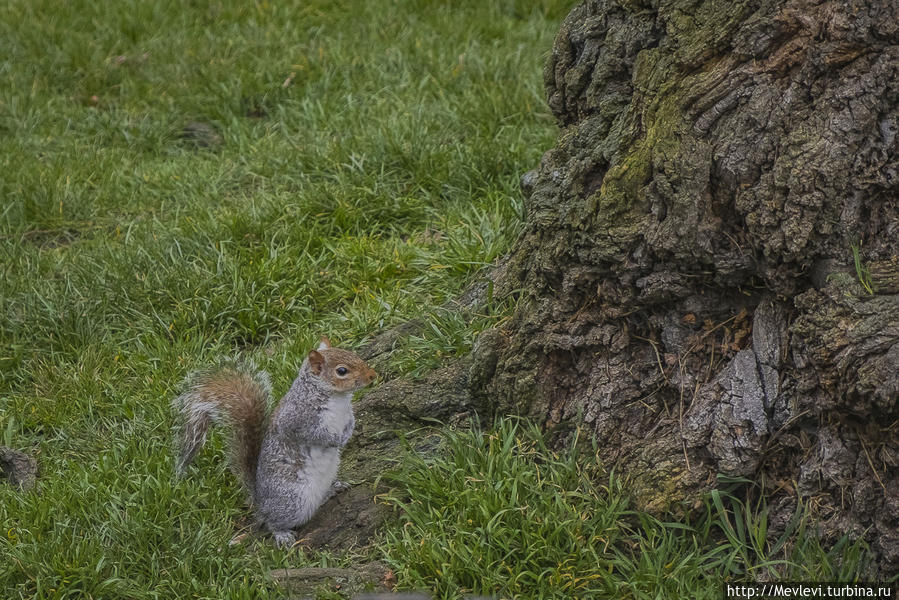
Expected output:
(234, 395)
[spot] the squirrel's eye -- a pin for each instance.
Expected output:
(341, 371)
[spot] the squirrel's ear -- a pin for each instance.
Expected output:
(325, 343)
(316, 362)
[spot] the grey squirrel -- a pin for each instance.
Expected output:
(287, 462)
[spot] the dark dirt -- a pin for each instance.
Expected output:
(17, 468)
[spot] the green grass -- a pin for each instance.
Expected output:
(365, 169)
(500, 514)
(861, 269)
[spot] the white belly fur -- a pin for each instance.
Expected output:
(319, 473)
(320, 469)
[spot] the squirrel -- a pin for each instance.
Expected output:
(287, 462)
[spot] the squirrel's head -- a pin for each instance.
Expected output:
(342, 370)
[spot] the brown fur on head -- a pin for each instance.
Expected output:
(343, 370)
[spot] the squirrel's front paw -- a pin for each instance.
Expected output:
(338, 486)
(347, 432)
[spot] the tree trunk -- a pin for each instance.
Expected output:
(709, 274)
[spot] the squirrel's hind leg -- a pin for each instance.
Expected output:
(284, 539)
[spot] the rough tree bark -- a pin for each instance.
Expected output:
(687, 273)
